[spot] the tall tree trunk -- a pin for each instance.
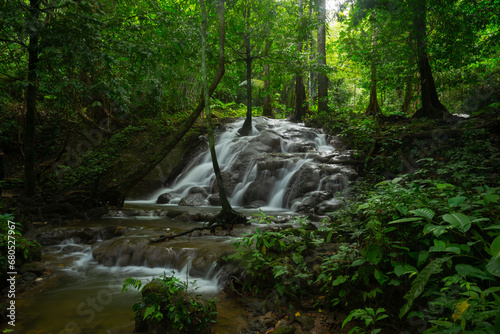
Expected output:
(206, 96)
(311, 84)
(115, 194)
(31, 92)
(431, 106)
(322, 78)
(300, 90)
(373, 106)
(246, 129)
(267, 108)
(405, 108)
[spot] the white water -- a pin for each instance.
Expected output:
(262, 166)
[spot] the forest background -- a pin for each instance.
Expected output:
(94, 94)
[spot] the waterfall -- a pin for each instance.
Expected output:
(281, 165)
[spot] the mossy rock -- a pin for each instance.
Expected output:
(181, 313)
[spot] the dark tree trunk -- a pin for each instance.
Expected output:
(115, 194)
(431, 106)
(31, 92)
(226, 206)
(322, 78)
(373, 106)
(300, 99)
(267, 108)
(300, 89)
(246, 129)
(405, 108)
(311, 83)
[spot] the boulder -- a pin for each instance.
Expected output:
(164, 198)
(196, 199)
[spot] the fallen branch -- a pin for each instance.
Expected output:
(172, 236)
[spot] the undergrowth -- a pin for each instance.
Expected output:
(418, 251)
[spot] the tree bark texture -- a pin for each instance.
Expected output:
(218, 176)
(246, 129)
(373, 106)
(431, 106)
(300, 89)
(31, 92)
(322, 78)
(267, 107)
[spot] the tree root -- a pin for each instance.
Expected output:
(226, 219)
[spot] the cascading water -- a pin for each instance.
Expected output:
(281, 165)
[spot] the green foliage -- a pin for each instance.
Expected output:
(369, 317)
(432, 234)
(11, 235)
(165, 299)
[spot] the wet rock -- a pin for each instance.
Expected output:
(28, 276)
(49, 237)
(32, 267)
(164, 198)
(196, 199)
(109, 232)
(97, 212)
(214, 200)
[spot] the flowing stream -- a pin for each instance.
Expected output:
(281, 168)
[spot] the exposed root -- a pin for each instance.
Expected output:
(226, 219)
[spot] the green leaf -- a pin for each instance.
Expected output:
(419, 283)
(405, 220)
(424, 212)
(468, 270)
(339, 280)
(373, 254)
(405, 269)
(422, 258)
(437, 230)
(495, 247)
(493, 266)
(459, 221)
(456, 201)
(297, 258)
(439, 246)
(444, 186)
(442, 323)
(492, 198)
(358, 262)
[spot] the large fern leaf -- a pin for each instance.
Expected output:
(418, 284)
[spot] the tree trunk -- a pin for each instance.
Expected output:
(31, 92)
(322, 78)
(246, 129)
(218, 176)
(311, 86)
(115, 194)
(405, 108)
(300, 90)
(431, 106)
(373, 106)
(267, 108)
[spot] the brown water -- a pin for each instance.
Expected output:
(85, 296)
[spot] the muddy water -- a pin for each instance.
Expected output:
(84, 294)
